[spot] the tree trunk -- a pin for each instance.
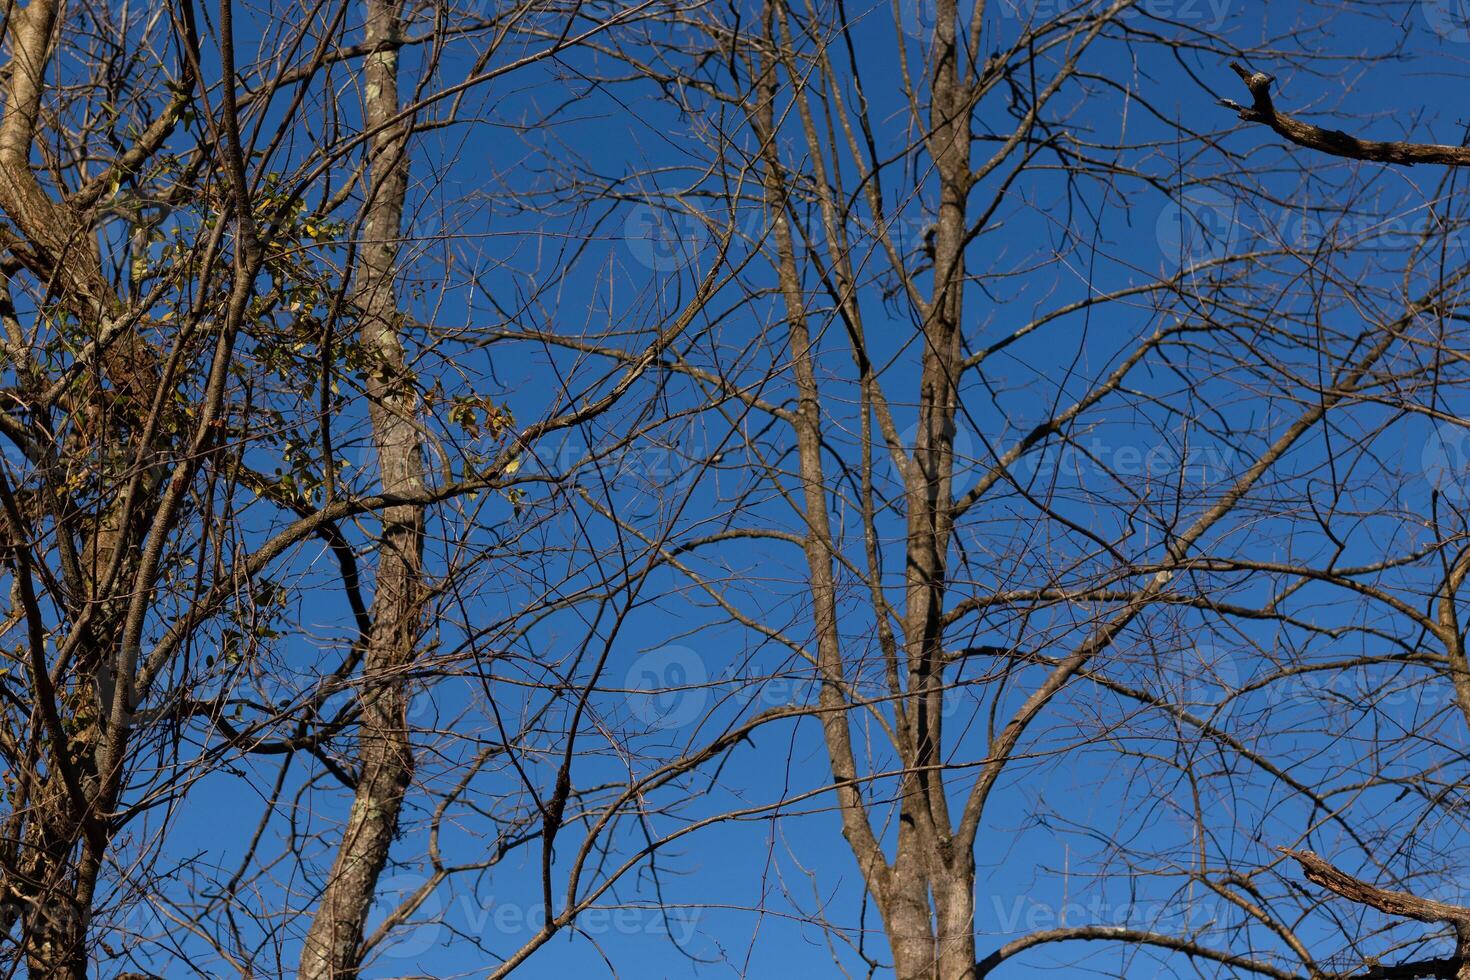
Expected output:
(385, 754)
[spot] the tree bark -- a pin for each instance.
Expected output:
(385, 753)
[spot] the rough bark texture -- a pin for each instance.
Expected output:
(1335, 141)
(49, 887)
(385, 755)
(930, 862)
(926, 894)
(1403, 904)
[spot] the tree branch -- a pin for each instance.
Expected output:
(1335, 141)
(1127, 935)
(1402, 904)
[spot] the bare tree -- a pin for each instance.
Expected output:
(186, 311)
(991, 594)
(1029, 444)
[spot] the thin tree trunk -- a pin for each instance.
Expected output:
(926, 895)
(385, 754)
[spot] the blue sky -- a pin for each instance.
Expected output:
(737, 898)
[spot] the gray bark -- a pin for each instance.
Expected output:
(385, 753)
